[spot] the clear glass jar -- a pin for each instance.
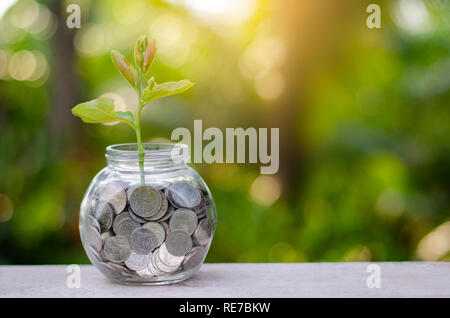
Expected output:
(147, 222)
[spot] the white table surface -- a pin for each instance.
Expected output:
(407, 279)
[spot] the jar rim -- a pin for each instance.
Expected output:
(152, 151)
(149, 148)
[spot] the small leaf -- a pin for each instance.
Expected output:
(101, 110)
(96, 111)
(149, 56)
(165, 89)
(126, 117)
(124, 67)
(139, 50)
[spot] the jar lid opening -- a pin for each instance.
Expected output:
(175, 152)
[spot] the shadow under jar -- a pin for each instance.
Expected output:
(148, 221)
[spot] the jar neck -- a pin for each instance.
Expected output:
(157, 157)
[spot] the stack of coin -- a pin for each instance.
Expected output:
(145, 230)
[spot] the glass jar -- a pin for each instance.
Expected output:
(147, 220)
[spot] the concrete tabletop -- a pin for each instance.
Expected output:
(406, 279)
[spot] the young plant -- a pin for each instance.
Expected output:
(102, 110)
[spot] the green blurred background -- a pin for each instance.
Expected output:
(363, 116)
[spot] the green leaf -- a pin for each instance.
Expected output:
(156, 91)
(126, 117)
(127, 70)
(101, 110)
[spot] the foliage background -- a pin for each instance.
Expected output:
(363, 116)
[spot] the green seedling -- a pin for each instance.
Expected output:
(102, 110)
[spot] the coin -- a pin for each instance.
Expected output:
(135, 217)
(93, 222)
(165, 226)
(116, 249)
(168, 215)
(104, 215)
(114, 194)
(178, 243)
(94, 253)
(113, 270)
(143, 240)
(202, 215)
(144, 272)
(163, 267)
(106, 235)
(194, 258)
(145, 201)
(167, 258)
(94, 238)
(183, 219)
(126, 227)
(137, 261)
(162, 211)
(152, 267)
(202, 234)
(122, 270)
(184, 195)
(118, 219)
(131, 188)
(158, 230)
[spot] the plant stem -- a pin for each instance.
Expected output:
(138, 131)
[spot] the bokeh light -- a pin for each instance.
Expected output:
(362, 115)
(435, 244)
(266, 190)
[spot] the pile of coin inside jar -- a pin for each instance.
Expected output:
(148, 230)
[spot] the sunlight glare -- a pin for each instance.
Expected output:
(229, 11)
(5, 5)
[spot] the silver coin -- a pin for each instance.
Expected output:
(143, 240)
(167, 258)
(135, 217)
(152, 267)
(178, 243)
(155, 265)
(194, 258)
(202, 234)
(158, 230)
(118, 219)
(94, 223)
(114, 194)
(168, 215)
(109, 271)
(104, 215)
(202, 206)
(131, 188)
(200, 210)
(106, 235)
(91, 251)
(94, 239)
(122, 270)
(201, 216)
(184, 195)
(116, 249)
(165, 226)
(126, 227)
(162, 211)
(163, 267)
(145, 201)
(137, 261)
(144, 272)
(183, 219)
